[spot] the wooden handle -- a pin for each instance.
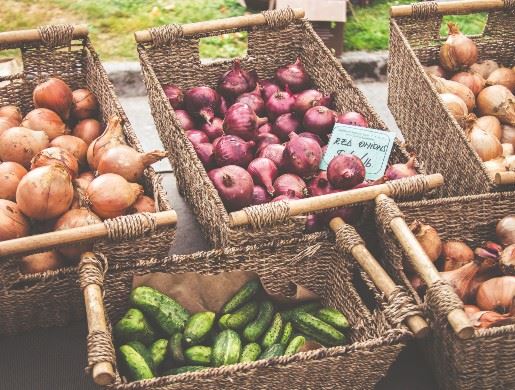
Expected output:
(216, 25)
(103, 372)
(458, 320)
(25, 36)
(339, 199)
(381, 279)
(504, 178)
(452, 7)
(70, 236)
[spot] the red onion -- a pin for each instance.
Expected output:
(269, 88)
(196, 136)
(232, 150)
(253, 101)
(312, 136)
(234, 185)
(205, 152)
(265, 139)
(279, 103)
(399, 171)
(320, 185)
(293, 75)
(286, 124)
(214, 129)
(345, 171)
(312, 224)
(236, 81)
(349, 215)
(290, 195)
(319, 120)
(202, 101)
(260, 195)
(275, 153)
(174, 95)
(264, 172)
(216, 140)
(310, 98)
(266, 128)
(290, 184)
(224, 106)
(352, 118)
(185, 119)
(302, 155)
(242, 121)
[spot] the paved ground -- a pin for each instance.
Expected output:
(55, 358)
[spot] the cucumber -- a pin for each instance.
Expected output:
(333, 317)
(242, 316)
(183, 369)
(134, 327)
(250, 353)
(198, 355)
(294, 345)
(318, 329)
(310, 307)
(175, 348)
(287, 333)
(158, 351)
(226, 349)
(222, 322)
(272, 351)
(143, 351)
(134, 364)
(256, 328)
(198, 326)
(169, 315)
(241, 297)
(273, 334)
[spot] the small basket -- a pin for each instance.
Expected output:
(170, 54)
(421, 115)
(485, 360)
(376, 337)
(52, 298)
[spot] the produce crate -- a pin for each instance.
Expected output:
(485, 360)
(52, 298)
(169, 55)
(424, 120)
(376, 336)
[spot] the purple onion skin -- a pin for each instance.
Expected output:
(253, 101)
(352, 118)
(319, 120)
(310, 98)
(269, 88)
(290, 184)
(400, 170)
(185, 119)
(302, 156)
(263, 171)
(279, 103)
(236, 81)
(274, 152)
(265, 139)
(294, 76)
(224, 106)
(260, 195)
(202, 101)
(174, 94)
(345, 171)
(286, 124)
(240, 120)
(320, 185)
(205, 153)
(313, 224)
(234, 185)
(313, 136)
(232, 150)
(214, 129)
(266, 128)
(196, 136)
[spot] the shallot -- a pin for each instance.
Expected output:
(497, 294)
(456, 254)
(401, 170)
(428, 238)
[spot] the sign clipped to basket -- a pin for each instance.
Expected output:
(372, 146)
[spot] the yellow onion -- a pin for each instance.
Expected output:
(435, 70)
(10, 176)
(495, 166)
(458, 50)
(490, 124)
(507, 150)
(455, 105)
(508, 134)
(45, 120)
(144, 204)
(458, 89)
(13, 223)
(20, 145)
(85, 104)
(6, 124)
(55, 95)
(87, 130)
(112, 136)
(428, 238)
(486, 145)
(502, 76)
(74, 145)
(484, 68)
(11, 112)
(472, 80)
(41, 262)
(497, 100)
(497, 294)
(505, 230)
(56, 156)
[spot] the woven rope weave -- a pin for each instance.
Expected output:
(424, 9)
(279, 18)
(130, 226)
(56, 35)
(347, 238)
(400, 306)
(164, 35)
(267, 214)
(386, 211)
(441, 297)
(92, 270)
(100, 349)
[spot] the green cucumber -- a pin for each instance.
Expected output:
(241, 297)
(272, 351)
(294, 345)
(226, 349)
(158, 351)
(175, 348)
(318, 329)
(222, 322)
(243, 316)
(250, 353)
(183, 369)
(134, 327)
(254, 330)
(198, 326)
(310, 307)
(143, 351)
(273, 334)
(333, 317)
(198, 355)
(133, 364)
(287, 333)
(169, 315)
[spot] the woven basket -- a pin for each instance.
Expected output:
(421, 115)
(486, 360)
(170, 54)
(52, 298)
(376, 337)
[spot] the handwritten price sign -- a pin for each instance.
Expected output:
(372, 146)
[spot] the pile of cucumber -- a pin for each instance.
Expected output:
(158, 337)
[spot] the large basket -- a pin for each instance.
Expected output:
(52, 298)
(484, 361)
(421, 115)
(169, 54)
(376, 337)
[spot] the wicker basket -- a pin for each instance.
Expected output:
(169, 54)
(484, 361)
(420, 113)
(52, 298)
(376, 337)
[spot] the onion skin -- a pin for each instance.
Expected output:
(186, 121)
(45, 192)
(293, 75)
(20, 145)
(508, 134)
(214, 129)
(490, 124)
(310, 98)
(205, 153)
(196, 136)
(472, 80)
(6, 124)
(302, 156)
(320, 185)
(241, 121)
(263, 171)
(286, 124)
(435, 70)
(319, 120)
(232, 150)
(45, 120)
(87, 130)
(55, 156)
(312, 224)
(10, 176)
(224, 106)
(234, 185)
(127, 162)
(269, 88)
(460, 279)
(252, 100)
(312, 136)
(260, 195)
(12, 113)
(274, 152)
(237, 81)
(286, 197)
(486, 145)
(497, 294)
(345, 171)
(74, 145)
(144, 204)
(291, 185)
(352, 118)
(458, 50)
(502, 76)
(85, 104)
(111, 195)
(507, 150)
(428, 238)
(400, 170)
(490, 319)
(455, 105)
(456, 254)
(279, 103)
(112, 136)
(265, 139)
(202, 101)
(456, 88)
(484, 68)
(498, 101)
(174, 94)
(41, 262)
(505, 230)
(13, 224)
(55, 95)
(507, 260)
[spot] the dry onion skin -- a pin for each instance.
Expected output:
(45, 120)
(498, 101)
(20, 145)
(448, 86)
(472, 80)
(497, 294)
(455, 105)
(502, 76)
(458, 50)
(56, 156)
(112, 136)
(11, 112)
(13, 224)
(484, 68)
(486, 145)
(10, 176)
(144, 204)
(490, 124)
(85, 104)
(505, 230)
(88, 130)
(55, 95)
(41, 262)
(74, 145)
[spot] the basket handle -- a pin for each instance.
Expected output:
(276, 211)
(114, 228)
(447, 8)
(347, 237)
(505, 178)
(25, 36)
(145, 36)
(457, 318)
(100, 346)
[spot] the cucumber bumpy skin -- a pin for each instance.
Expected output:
(287, 334)
(133, 326)
(242, 296)
(243, 316)
(295, 344)
(273, 351)
(226, 349)
(309, 307)
(135, 364)
(158, 351)
(333, 317)
(198, 326)
(250, 353)
(254, 330)
(318, 329)
(273, 334)
(175, 348)
(198, 355)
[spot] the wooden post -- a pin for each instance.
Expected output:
(452, 7)
(504, 178)
(24, 36)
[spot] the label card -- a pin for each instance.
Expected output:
(372, 146)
